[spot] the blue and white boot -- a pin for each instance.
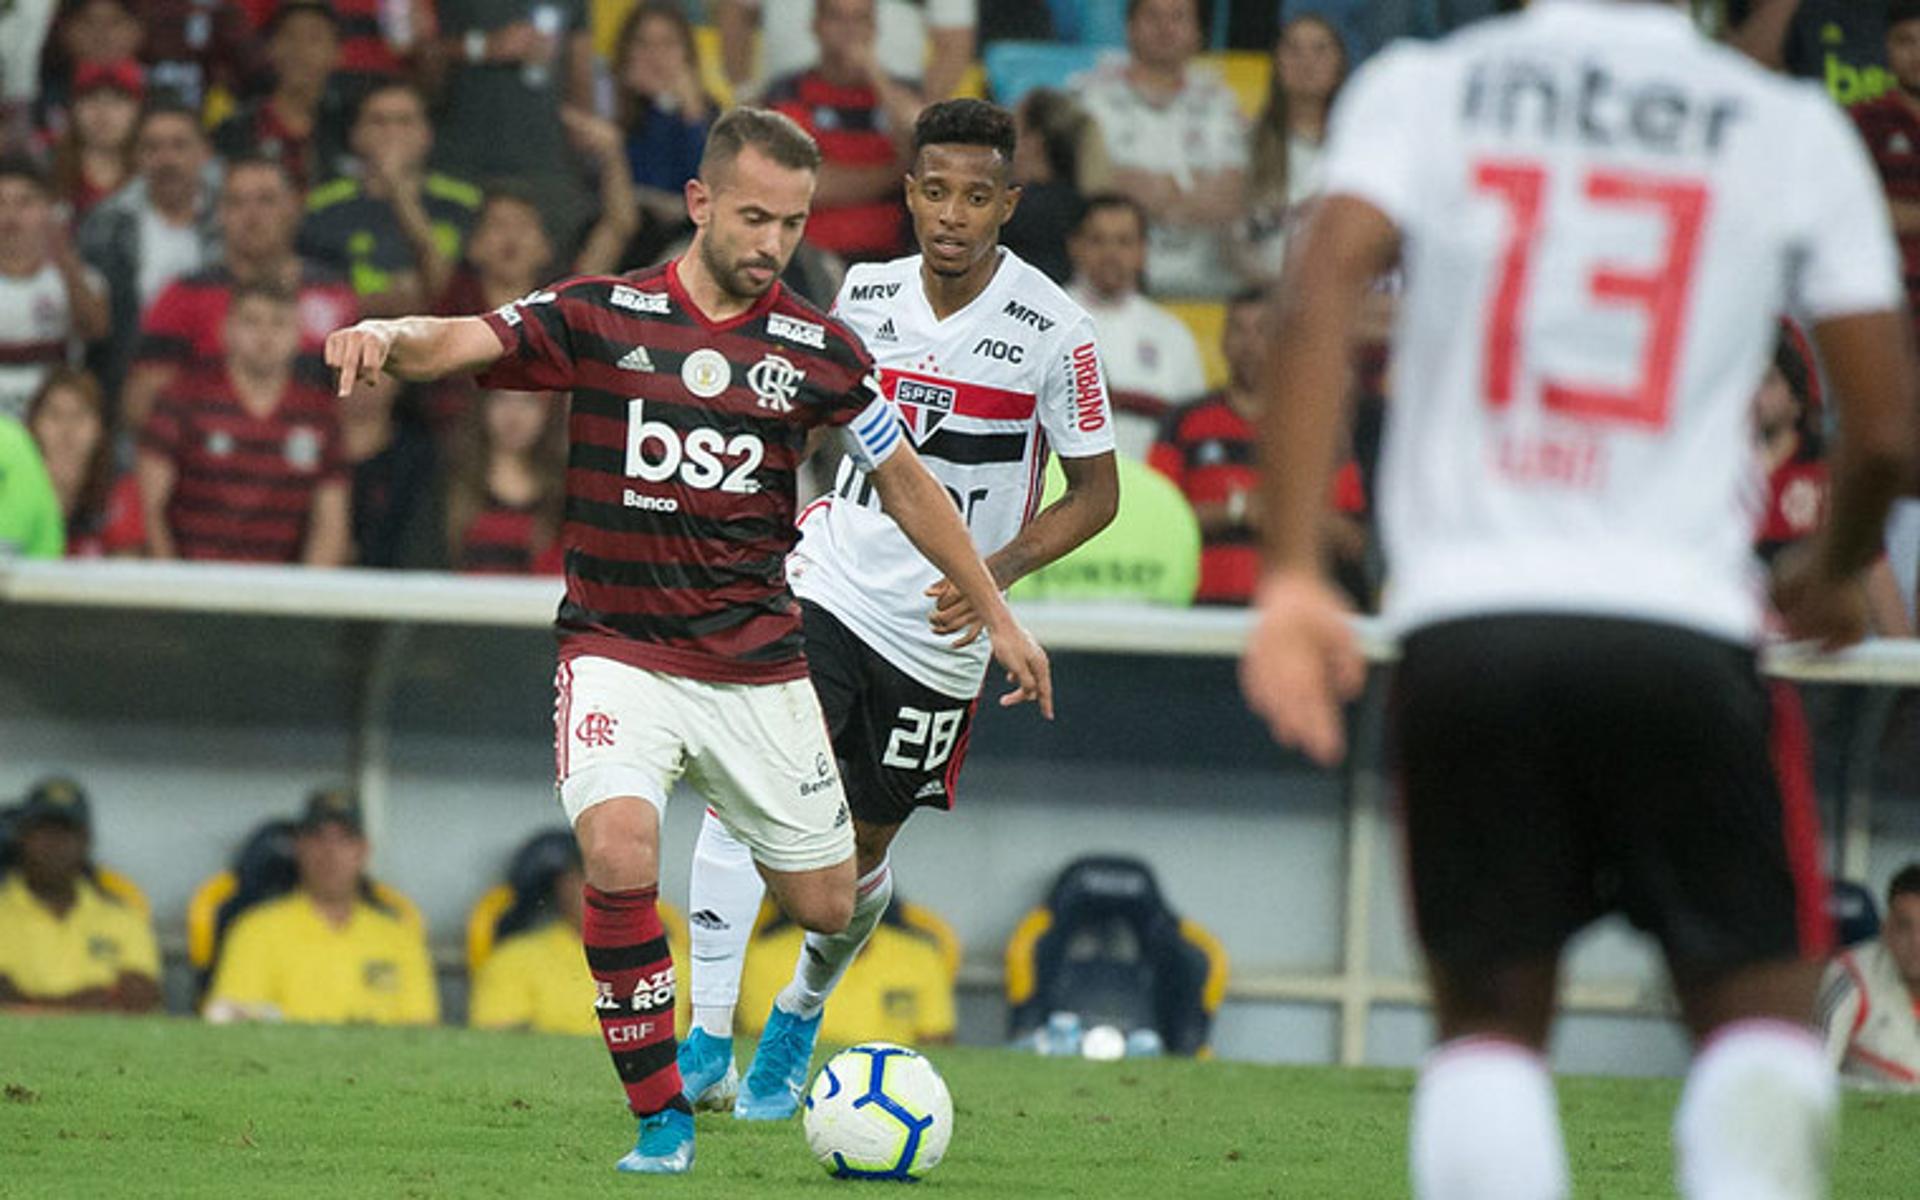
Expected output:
(773, 1086)
(665, 1145)
(708, 1078)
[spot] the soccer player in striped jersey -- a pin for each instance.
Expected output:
(695, 387)
(991, 366)
(1601, 215)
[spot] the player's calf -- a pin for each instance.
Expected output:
(1757, 1118)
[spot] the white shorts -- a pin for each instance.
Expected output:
(757, 753)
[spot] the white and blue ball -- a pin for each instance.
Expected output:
(878, 1111)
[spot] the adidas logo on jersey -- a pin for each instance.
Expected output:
(886, 333)
(636, 359)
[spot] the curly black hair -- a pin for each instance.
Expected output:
(966, 122)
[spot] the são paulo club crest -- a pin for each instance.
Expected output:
(922, 405)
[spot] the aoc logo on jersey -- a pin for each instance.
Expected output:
(924, 405)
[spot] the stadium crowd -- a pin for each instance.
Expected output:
(191, 197)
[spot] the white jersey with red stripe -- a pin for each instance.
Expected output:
(36, 328)
(985, 395)
(1871, 1016)
(1602, 215)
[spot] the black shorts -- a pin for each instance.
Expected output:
(900, 743)
(1554, 769)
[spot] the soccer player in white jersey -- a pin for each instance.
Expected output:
(991, 367)
(1601, 215)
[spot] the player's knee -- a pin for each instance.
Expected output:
(828, 913)
(619, 846)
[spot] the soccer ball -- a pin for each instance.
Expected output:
(878, 1111)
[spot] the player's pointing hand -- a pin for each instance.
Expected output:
(359, 352)
(1027, 668)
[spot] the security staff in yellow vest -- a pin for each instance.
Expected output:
(326, 952)
(66, 941)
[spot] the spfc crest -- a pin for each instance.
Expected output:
(922, 405)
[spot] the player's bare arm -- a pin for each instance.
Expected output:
(1084, 509)
(919, 505)
(416, 349)
(1302, 662)
(1870, 362)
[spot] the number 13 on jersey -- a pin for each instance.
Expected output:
(1659, 291)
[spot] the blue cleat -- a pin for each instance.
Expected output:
(773, 1086)
(665, 1146)
(708, 1078)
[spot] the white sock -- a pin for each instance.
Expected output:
(1486, 1125)
(1757, 1117)
(725, 899)
(824, 958)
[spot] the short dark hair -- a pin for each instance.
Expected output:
(966, 122)
(773, 134)
(1906, 882)
(382, 87)
(293, 8)
(254, 161)
(1133, 8)
(21, 166)
(166, 104)
(1100, 202)
(1252, 294)
(261, 289)
(1901, 11)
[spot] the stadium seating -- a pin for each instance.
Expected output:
(1106, 947)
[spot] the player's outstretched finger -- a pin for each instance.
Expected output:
(343, 354)
(1045, 682)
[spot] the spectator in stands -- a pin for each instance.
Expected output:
(1148, 554)
(1153, 365)
(30, 524)
(23, 34)
(927, 43)
(379, 40)
(1178, 144)
(326, 952)
(508, 486)
(899, 990)
(863, 118)
(396, 473)
(101, 511)
(1058, 154)
(1890, 127)
(1870, 1000)
(395, 228)
(259, 214)
(1790, 448)
(665, 113)
(1841, 43)
(154, 230)
(537, 979)
(50, 301)
(515, 64)
(291, 124)
(192, 47)
(90, 33)
(1283, 166)
(65, 940)
(93, 157)
(1209, 451)
(244, 463)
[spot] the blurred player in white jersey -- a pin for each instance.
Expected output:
(991, 367)
(1600, 215)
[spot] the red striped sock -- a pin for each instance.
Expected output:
(627, 953)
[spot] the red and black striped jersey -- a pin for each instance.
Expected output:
(851, 127)
(184, 325)
(1209, 449)
(683, 443)
(504, 539)
(243, 484)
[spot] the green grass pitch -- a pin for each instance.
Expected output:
(97, 1107)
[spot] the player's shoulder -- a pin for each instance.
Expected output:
(1029, 297)
(796, 320)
